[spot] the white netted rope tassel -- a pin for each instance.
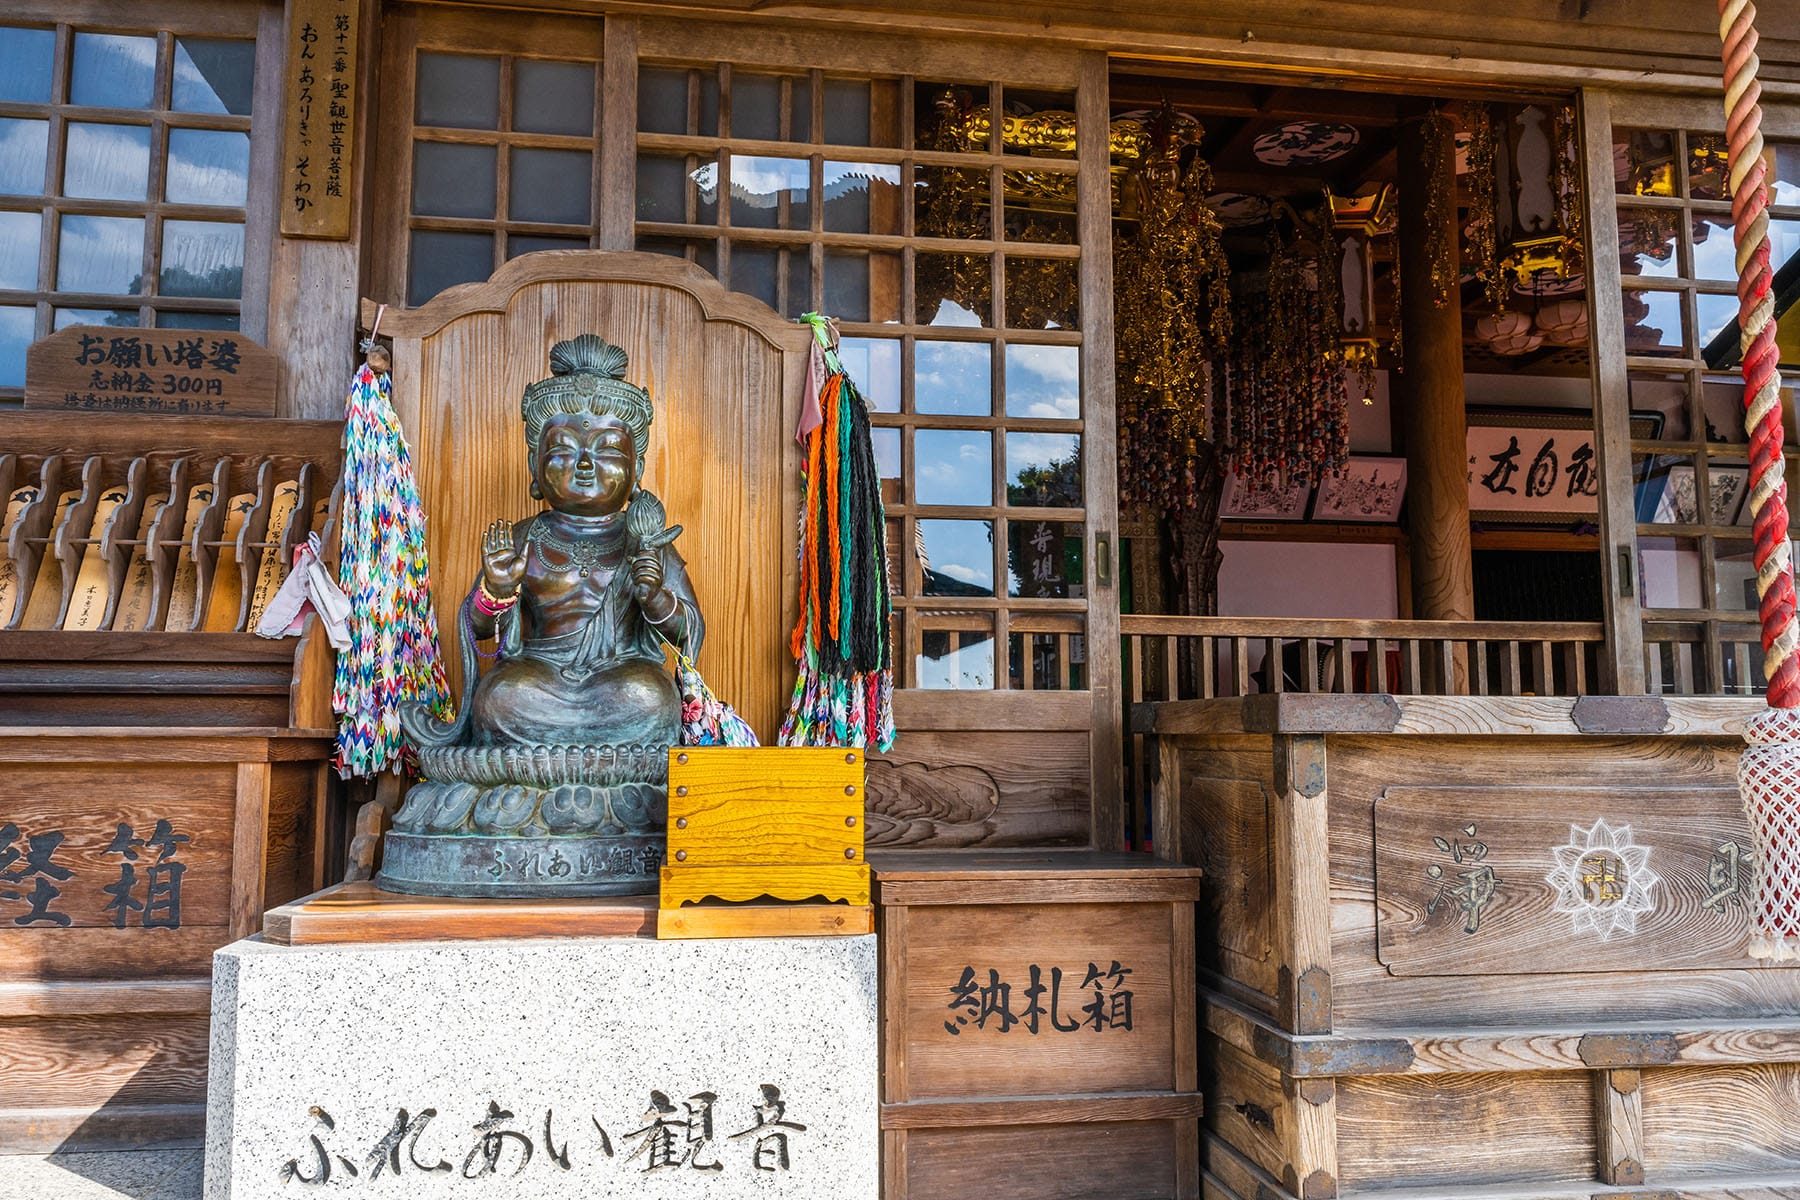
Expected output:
(1769, 782)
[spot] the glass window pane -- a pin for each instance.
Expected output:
(1040, 123)
(101, 254)
(770, 193)
(756, 106)
(874, 364)
(847, 286)
(1715, 257)
(16, 326)
(862, 286)
(19, 234)
(1043, 382)
(847, 112)
(662, 188)
(886, 443)
(957, 557)
(1666, 395)
(1784, 172)
(457, 91)
(940, 113)
(553, 97)
(952, 202)
(202, 258)
(756, 271)
(113, 70)
(1647, 240)
(1734, 576)
(213, 76)
(955, 659)
(1722, 408)
(439, 260)
(1044, 560)
(194, 320)
(119, 318)
(1670, 572)
(26, 59)
(1707, 170)
(552, 186)
(520, 243)
(953, 377)
(207, 166)
(451, 180)
(1668, 492)
(952, 289)
(953, 466)
(1042, 293)
(1653, 323)
(1715, 314)
(1644, 162)
(662, 99)
(107, 162)
(862, 197)
(1043, 470)
(1040, 207)
(1044, 654)
(22, 148)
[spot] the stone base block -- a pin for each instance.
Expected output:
(579, 1067)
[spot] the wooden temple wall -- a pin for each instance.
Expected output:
(1455, 943)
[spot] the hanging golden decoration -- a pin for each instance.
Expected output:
(1172, 314)
(1484, 252)
(1440, 202)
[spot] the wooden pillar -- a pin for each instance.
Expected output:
(1431, 379)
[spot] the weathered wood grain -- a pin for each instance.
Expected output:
(1484, 1129)
(360, 912)
(1066, 938)
(942, 789)
(1691, 921)
(765, 920)
(1122, 1161)
(1721, 1120)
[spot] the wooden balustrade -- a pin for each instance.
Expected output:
(1184, 658)
(1703, 657)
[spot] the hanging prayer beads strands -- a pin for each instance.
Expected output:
(1286, 401)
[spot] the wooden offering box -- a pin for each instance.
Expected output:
(1038, 1025)
(1462, 946)
(164, 771)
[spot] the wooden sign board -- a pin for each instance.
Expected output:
(173, 372)
(1508, 881)
(320, 138)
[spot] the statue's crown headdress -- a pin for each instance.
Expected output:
(588, 376)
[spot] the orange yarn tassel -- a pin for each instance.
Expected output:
(809, 553)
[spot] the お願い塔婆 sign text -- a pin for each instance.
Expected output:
(191, 372)
(320, 137)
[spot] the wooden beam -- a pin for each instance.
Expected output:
(1431, 380)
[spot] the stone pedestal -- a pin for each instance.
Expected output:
(579, 1067)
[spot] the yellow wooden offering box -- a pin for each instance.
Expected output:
(779, 823)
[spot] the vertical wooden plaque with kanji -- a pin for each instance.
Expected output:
(320, 136)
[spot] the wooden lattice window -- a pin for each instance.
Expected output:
(124, 172)
(950, 258)
(496, 127)
(1696, 582)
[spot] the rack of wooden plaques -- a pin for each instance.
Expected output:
(166, 768)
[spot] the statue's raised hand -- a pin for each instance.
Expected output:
(502, 564)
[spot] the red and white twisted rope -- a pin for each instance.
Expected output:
(1756, 320)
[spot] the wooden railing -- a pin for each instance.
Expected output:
(1182, 658)
(1703, 657)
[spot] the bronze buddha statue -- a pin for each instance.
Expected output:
(552, 780)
